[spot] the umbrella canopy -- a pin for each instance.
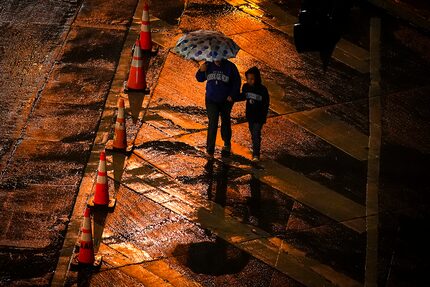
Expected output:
(205, 45)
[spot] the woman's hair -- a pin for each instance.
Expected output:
(256, 72)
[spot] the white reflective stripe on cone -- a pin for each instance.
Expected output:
(137, 63)
(101, 179)
(145, 16)
(137, 52)
(144, 28)
(87, 223)
(102, 166)
(120, 113)
(86, 237)
(119, 126)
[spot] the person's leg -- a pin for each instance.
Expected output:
(226, 125)
(212, 110)
(256, 138)
(251, 132)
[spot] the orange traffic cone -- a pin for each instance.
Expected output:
(137, 77)
(145, 30)
(120, 137)
(85, 256)
(101, 195)
(86, 249)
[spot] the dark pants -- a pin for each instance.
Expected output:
(255, 129)
(214, 111)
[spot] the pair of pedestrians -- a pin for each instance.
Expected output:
(223, 89)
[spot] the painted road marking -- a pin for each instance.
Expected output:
(335, 132)
(149, 273)
(300, 188)
(253, 240)
(273, 251)
(373, 164)
(310, 193)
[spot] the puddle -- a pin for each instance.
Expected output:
(168, 10)
(214, 258)
(212, 10)
(169, 148)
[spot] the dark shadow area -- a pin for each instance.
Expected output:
(255, 213)
(403, 178)
(84, 276)
(220, 179)
(216, 258)
(99, 221)
(404, 201)
(136, 100)
(19, 264)
(213, 258)
(118, 162)
(403, 249)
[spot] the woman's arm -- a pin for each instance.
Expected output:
(201, 73)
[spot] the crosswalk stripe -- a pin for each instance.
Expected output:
(152, 273)
(302, 189)
(335, 132)
(215, 218)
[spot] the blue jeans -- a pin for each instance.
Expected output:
(255, 129)
(214, 111)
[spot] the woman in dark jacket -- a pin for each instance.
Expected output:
(222, 88)
(257, 108)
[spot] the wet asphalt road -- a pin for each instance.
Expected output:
(169, 227)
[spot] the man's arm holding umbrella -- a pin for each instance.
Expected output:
(236, 83)
(201, 73)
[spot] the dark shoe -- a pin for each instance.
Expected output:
(226, 148)
(209, 155)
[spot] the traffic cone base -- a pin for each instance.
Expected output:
(75, 265)
(145, 91)
(110, 148)
(110, 204)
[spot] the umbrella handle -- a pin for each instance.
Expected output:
(196, 63)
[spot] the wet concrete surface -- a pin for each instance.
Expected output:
(246, 198)
(55, 96)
